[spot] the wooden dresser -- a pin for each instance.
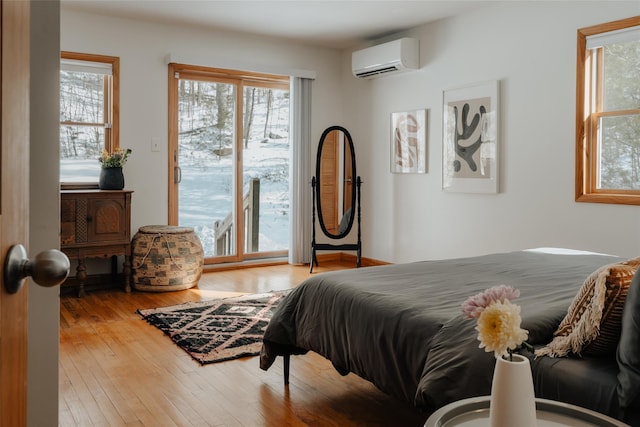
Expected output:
(96, 224)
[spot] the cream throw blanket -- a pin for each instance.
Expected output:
(593, 322)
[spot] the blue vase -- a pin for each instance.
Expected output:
(111, 179)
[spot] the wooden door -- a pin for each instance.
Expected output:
(14, 199)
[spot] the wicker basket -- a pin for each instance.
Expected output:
(166, 258)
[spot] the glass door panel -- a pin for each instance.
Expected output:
(266, 169)
(205, 156)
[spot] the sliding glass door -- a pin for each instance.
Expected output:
(229, 165)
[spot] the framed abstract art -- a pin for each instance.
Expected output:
(470, 138)
(408, 142)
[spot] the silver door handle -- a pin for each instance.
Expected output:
(177, 175)
(49, 268)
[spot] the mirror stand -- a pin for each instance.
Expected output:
(328, 246)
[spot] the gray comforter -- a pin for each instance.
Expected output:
(400, 326)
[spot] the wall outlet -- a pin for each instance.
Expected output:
(155, 143)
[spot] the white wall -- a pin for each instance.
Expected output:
(531, 48)
(44, 217)
(528, 46)
(143, 47)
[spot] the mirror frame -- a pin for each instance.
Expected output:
(354, 175)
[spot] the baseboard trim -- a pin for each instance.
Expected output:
(347, 257)
(332, 256)
(210, 268)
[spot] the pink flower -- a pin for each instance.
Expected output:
(475, 305)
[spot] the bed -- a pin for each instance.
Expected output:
(400, 326)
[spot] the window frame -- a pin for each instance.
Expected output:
(587, 118)
(112, 111)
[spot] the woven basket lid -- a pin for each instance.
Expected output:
(165, 229)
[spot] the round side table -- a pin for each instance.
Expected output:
(474, 412)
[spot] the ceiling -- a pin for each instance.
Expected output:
(334, 23)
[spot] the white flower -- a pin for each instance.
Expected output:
(499, 328)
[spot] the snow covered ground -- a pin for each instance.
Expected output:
(206, 193)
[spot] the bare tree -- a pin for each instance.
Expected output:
(249, 102)
(269, 104)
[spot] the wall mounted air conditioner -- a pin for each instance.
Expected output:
(387, 58)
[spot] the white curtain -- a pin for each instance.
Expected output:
(300, 172)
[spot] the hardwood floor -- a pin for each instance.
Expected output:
(117, 370)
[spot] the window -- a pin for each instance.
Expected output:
(88, 115)
(608, 113)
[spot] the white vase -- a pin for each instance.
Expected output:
(512, 399)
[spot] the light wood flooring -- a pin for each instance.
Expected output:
(117, 370)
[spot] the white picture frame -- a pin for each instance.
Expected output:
(470, 144)
(409, 141)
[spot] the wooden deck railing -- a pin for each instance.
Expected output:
(251, 209)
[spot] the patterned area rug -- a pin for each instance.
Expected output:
(217, 330)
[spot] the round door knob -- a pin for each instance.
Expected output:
(49, 268)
